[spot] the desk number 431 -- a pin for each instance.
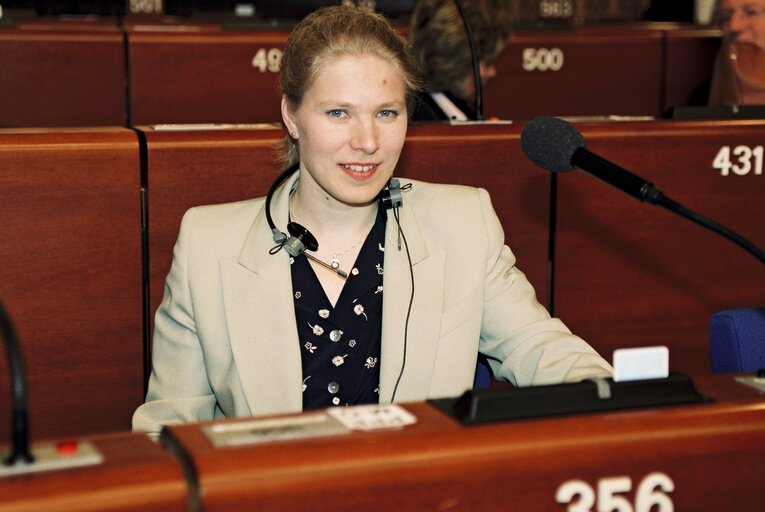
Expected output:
(741, 160)
(651, 494)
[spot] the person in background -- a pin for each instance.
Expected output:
(739, 70)
(439, 44)
(407, 283)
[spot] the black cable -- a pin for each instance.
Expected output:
(713, 226)
(476, 63)
(283, 176)
(411, 301)
(19, 424)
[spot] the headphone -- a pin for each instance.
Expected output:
(301, 240)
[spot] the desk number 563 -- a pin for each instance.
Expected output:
(651, 495)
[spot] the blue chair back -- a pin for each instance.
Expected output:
(737, 340)
(482, 373)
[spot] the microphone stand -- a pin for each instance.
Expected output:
(19, 429)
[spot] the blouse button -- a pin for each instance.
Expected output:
(333, 387)
(335, 335)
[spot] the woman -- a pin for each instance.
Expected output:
(249, 326)
(439, 44)
(739, 70)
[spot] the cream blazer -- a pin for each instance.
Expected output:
(226, 343)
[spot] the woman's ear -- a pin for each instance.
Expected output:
(288, 116)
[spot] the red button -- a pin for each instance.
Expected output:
(67, 447)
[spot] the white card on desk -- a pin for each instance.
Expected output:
(641, 363)
(373, 416)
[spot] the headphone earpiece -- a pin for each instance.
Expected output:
(300, 240)
(391, 195)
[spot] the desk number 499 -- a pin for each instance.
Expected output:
(741, 160)
(651, 494)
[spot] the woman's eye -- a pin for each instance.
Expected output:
(336, 113)
(388, 113)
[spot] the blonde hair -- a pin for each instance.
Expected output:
(332, 32)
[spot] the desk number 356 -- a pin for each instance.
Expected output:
(741, 160)
(651, 494)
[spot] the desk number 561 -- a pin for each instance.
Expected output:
(651, 492)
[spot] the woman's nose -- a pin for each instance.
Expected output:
(365, 137)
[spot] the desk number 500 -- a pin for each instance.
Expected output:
(651, 492)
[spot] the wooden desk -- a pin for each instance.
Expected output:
(70, 247)
(187, 76)
(62, 77)
(204, 76)
(630, 274)
(698, 457)
(137, 475)
(587, 71)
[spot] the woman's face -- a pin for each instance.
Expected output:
(350, 128)
(744, 21)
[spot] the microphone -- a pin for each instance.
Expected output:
(49, 456)
(555, 145)
(19, 426)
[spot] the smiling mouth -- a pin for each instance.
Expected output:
(358, 168)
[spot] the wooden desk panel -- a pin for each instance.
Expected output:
(70, 247)
(66, 77)
(204, 77)
(579, 72)
(208, 75)
(137, 475)
(707, 456)
(631, 274)
(690, 57)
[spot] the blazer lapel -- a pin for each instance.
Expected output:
(421, 334)
(260, 316)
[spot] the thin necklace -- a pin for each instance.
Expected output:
(335, 261)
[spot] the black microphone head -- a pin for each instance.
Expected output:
(550, 143)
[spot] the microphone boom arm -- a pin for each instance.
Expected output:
(643, 190)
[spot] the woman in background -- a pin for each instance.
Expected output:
(739, 71)
(439, 44)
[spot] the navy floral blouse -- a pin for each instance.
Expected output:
(340, 346)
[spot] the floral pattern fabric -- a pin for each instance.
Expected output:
(340, 346)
